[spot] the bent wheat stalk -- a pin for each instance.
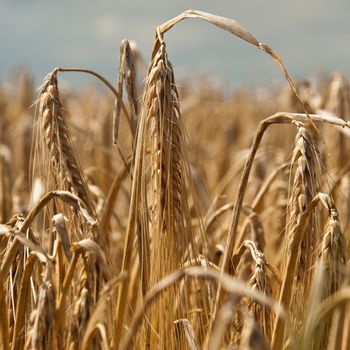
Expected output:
(237, 30)
(230, 284)
(278, 118)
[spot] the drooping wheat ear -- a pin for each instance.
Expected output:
(336, 100)
(329, 276)
(333, 251)
(336, 97)
(303, 188)
(64, 162)
(81, 308)
(43, 329)
(168, 185)
(333, 261)
(170, 234)
(127, 77)
(261, 282)
(258, 279)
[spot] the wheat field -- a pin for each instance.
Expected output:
(163, 215)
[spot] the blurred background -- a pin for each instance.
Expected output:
(312, 37)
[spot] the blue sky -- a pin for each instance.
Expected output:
(309, 35)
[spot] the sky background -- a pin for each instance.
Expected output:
(311, 36)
